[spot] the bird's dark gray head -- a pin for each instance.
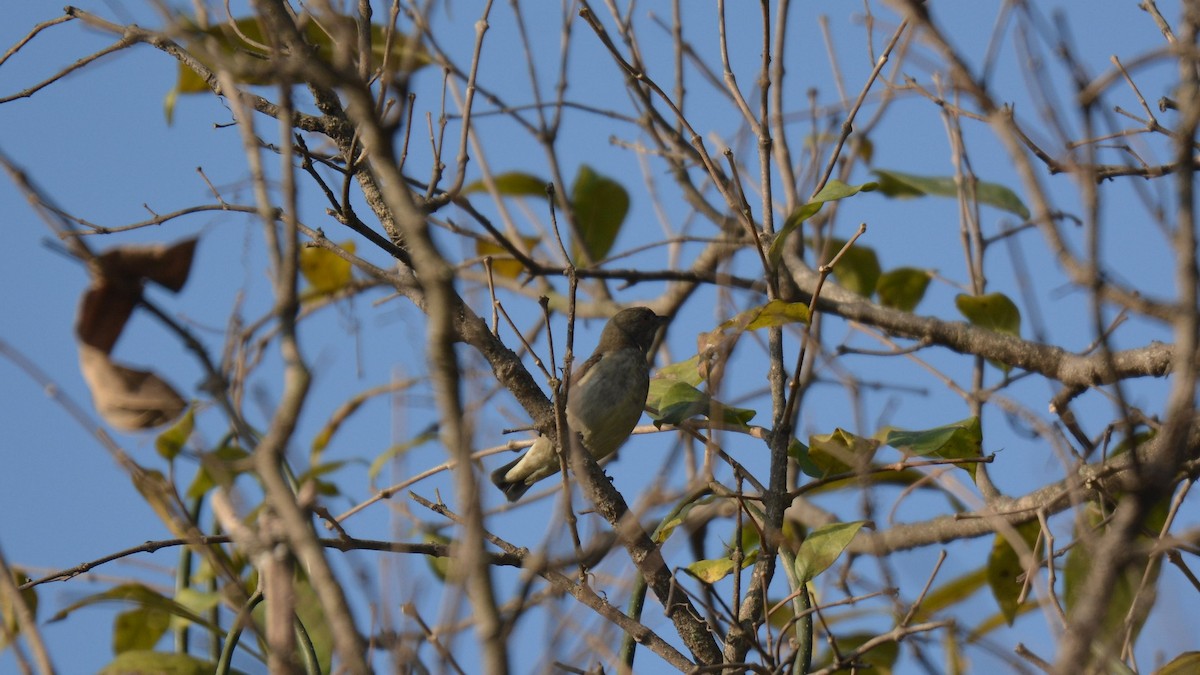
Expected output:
(632, 327)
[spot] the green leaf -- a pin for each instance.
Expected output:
(794, 220)
(797, 450)
(600, 204)
(402, 56)
(1005, 571)
(512, 184)
(137, 595)
(196, 601)
(996, 622)
(836, 189)
(951, 593)
(314, 625)
(957, 440)
(324, 270)
(879, 660)
(863, 147)
(784, 615)
(800, 452)
(1122, 593)
(776, 313)
(751, 542)
(858, 268)
(773, 314)
(160, 663)
(170, 442)
(903, 186)
(314, 472)
(993, 311)
(677, 401)
(898, 184)
(172, 96)
(667, 527)
(428, 434)
(241, 49)
(793, 532)
(877, 474)
(139, 629)
(833, 191)
(440, 566)
(243, 38)
(1186, 663)
(839, 452)
(683, 371)
(902, 288)
(822, 548)
(994, 194)
(340, 416)
(8, 616)
(1135, 441)
(218, 467)
(311, 614)
(712, 571)
(159, 493)
(956, 662)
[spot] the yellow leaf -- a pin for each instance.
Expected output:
(326, 271)
(503, 263)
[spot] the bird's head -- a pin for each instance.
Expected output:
(632, 327)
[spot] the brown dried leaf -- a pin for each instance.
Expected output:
(103, 313)
(165, 265)
(126, 398)
(117, 287)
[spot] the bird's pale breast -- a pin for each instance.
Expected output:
(606, 403)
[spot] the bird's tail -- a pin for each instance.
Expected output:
(512, 489)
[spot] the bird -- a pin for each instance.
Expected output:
(604, 401)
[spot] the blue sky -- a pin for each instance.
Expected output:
(99, 144)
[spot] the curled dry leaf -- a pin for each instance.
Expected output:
(167, 266)
(125, 397)
(118, 277)
(103, 312)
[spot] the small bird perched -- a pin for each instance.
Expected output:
(604, 402)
